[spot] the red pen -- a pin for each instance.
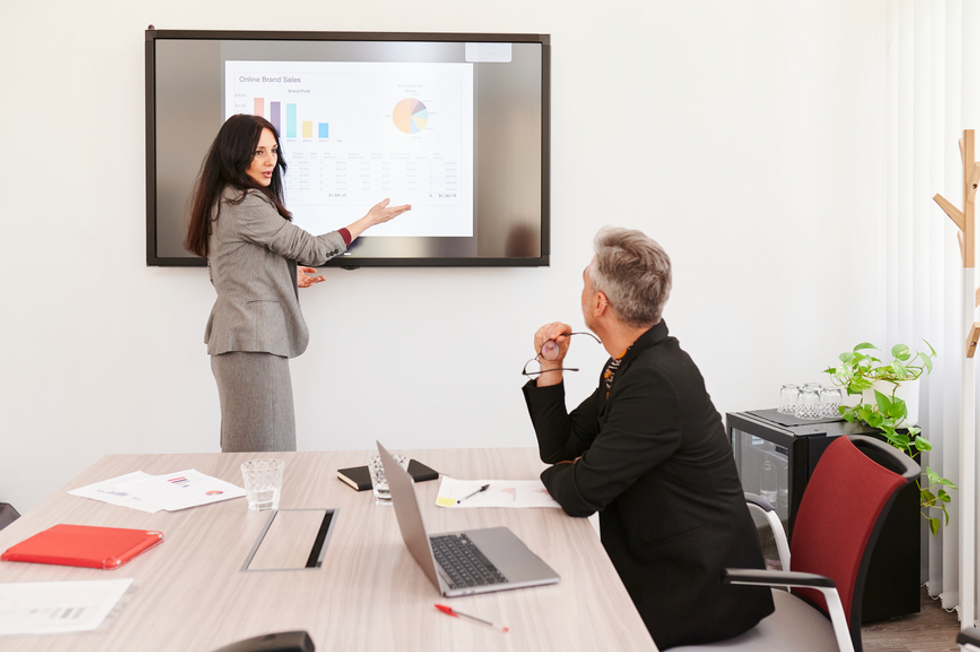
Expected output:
(449, 611)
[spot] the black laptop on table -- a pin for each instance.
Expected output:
(462, 563)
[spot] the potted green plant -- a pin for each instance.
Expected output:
(881, 406)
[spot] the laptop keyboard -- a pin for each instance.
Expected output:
(463, 561)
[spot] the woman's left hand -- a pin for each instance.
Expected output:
(305, 277)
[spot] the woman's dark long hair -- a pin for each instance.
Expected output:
(226, 164)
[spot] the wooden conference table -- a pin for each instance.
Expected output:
(369, 594)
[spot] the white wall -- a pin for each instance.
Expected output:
(745, 136)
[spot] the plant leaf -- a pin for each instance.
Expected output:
(901, 371)
(858, 384)
(926, 362)
(934, 526)
(897, 411)
(901, 352)
(927, 498)
(883, 401)
(921, 443)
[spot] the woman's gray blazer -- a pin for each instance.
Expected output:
(252, 260)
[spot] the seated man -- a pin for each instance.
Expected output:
(647, 450)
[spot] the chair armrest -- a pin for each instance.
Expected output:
(969, 638)
(755, 501)
(785, 579)
(776, 578)
(759, 501)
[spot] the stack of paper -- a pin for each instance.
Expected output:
(151, 493)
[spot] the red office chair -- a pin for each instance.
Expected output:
(839, 519)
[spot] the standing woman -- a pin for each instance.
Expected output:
(239, 223)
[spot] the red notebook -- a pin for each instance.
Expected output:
(83, 545)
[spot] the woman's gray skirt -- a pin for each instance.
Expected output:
(256, 396)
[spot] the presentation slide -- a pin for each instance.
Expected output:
(353, 133)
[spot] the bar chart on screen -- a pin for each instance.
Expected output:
(274, 111)
(353, 133)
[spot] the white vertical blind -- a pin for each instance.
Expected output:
(933, 63)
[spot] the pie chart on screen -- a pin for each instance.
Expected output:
(410, 116)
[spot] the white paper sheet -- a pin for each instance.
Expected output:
(151, 493)
(108, 492)
(181, 490)
(57, 607)
(500, 493)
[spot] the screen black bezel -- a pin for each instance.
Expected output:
(152, 35)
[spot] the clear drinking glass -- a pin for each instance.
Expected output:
(788, 397)
(263, 483)
(830, 400)
(379, 484)
(808, 406)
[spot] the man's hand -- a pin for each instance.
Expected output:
(552, 339)
(305, 277)
(554, 336)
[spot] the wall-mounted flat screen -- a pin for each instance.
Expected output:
(457, 125)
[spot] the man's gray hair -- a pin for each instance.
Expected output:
(633, 271)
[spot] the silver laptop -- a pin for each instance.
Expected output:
(462, 563)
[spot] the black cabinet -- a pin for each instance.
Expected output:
(766, 443)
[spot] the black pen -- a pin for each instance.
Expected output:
(483, 488)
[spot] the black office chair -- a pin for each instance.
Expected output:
(840, 516)
(7, 515)
(295, 641)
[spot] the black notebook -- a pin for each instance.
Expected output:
(359, 477)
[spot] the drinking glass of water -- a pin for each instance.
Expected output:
(263, 483)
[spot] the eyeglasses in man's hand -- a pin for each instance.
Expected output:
(550, 351)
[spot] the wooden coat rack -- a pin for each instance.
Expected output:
(965, 222)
